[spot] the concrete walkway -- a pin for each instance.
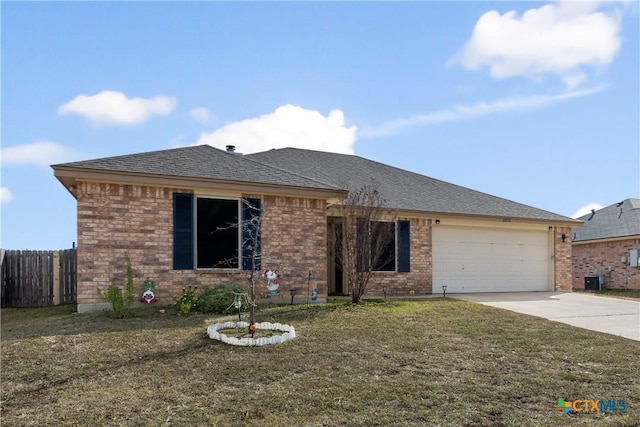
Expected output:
(598, 313)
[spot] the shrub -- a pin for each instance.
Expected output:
(120, 303)
(220, 299)
(187, 300)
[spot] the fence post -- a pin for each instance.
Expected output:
(56, 278)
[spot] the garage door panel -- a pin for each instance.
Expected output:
(490, 260)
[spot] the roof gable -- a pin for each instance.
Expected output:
(617, 220)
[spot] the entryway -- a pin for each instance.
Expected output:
(335, 282)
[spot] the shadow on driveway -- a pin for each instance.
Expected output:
(610, 315)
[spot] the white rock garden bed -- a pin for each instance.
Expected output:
(289, 332)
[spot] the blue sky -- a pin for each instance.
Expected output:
(531, 101)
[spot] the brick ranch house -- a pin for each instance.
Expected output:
(607, 245)
(163, 206)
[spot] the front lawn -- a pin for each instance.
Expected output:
(428, 362)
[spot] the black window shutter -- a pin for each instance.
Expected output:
(404, 247)
(251, 211)
(363, 242)
(182, 231)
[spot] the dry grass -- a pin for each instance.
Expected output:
(633, 294)
(432, 362)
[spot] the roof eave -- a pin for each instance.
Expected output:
(606, 239)
(412, 213)
(69, 176)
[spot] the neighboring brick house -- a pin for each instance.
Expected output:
(607, 245)
(170, 210)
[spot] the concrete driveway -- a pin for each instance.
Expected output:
(598, 313)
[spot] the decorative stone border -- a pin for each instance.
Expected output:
(289, 333)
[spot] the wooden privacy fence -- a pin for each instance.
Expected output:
(38, 278)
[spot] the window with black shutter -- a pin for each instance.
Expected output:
(395, 254)
(215, 233)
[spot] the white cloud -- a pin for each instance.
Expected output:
(5, 195)
(40, 153)
(586, 210)
(461, 112)
(114, 108)
(201, 115)
(287, 126)
(561, 39)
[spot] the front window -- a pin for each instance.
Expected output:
(386, 250)
(376, 245)
(217, 233)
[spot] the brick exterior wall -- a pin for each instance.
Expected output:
(419, 279)
(117, 218)
(294, 241)
(562, 259)
(594, 259)
(114, 219)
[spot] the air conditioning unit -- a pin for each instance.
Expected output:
(594, 283)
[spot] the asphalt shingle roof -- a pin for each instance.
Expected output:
(401, 189)
(200, 161)
(617, 220)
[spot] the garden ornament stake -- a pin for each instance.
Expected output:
(444, 291)
(238, 303)
(148, 296)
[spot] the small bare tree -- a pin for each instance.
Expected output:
(364, 240)
(252, 259)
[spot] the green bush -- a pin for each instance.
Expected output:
(120, 303)
(187, 301)
(220, 299)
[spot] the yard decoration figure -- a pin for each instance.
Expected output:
(272, 283)
(148, 296)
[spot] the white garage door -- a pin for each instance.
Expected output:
(490, 260)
